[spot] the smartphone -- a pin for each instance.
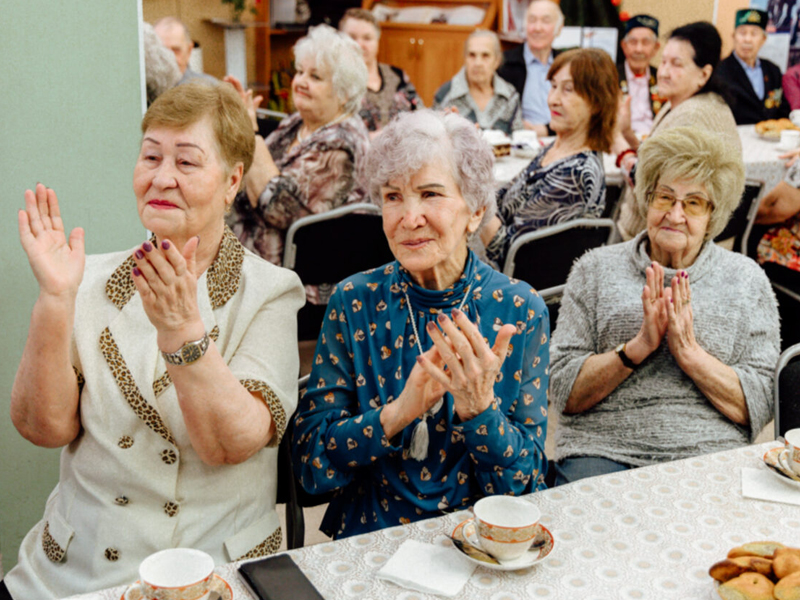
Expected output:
(277, 578)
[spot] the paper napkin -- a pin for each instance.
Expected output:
(428, 568)
(759, 484)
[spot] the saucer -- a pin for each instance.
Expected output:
(468, 533)
(218, 584)
(777, 458)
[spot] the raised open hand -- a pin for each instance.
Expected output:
(57, 263)
(654, 323)
(167, 283)
(251, 103)
(680, 331)
(472, 366)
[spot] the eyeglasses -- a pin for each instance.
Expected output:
(693, 205)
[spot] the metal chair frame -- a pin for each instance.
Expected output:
(785, 358)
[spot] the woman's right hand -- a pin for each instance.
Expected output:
(57, 263)
(420, 393)
(250, 103)
(793, 155)
(656, 318)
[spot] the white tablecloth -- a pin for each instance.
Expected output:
(761, 162)
(649, 533)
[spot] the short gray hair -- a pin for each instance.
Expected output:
(172, 22)
(498, 50)
(413, 140)
(559, 13)
(160, 68)
(341, 56)
(691, 154)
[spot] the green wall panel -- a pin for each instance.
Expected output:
(70, 108)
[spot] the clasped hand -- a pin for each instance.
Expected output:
(467, 366)
(667, 311)
(167, 283)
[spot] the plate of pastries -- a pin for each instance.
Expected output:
(758, 571)
(771, 129)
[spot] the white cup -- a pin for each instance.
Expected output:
(792, 444)
(175, 574)
(506, 525)
(790, 139)
(794, 117)
(525, 136)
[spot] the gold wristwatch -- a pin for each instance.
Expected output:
(189, 352)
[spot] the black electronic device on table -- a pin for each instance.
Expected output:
(277, 578)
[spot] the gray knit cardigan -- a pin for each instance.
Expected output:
(658, 414)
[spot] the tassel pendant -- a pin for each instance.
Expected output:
(420, 438)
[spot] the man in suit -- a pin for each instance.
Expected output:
(525, 67)
(754, 83)
(637, 78)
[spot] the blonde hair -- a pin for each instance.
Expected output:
(186, 104)
(691, 154)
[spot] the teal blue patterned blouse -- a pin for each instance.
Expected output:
(364, 355)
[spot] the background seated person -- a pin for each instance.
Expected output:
(637, 77)
(687, 79)
(566, 180)
(310, 164)
(754, 83)
(477, 92)
(168, 374)
(791, 87)
(175, 36)
(644, 373)
(417, 402)
(526, 66)
(389, 90)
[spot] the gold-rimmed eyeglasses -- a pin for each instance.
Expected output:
(694, 205)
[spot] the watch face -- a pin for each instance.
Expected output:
(191, 353)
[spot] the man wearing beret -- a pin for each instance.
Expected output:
(754, 83)
(637, 78)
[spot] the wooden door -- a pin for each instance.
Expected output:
(398, 47)
(441, 55)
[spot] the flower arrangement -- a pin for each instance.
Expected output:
(238, 7)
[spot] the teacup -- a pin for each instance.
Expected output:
(175, 574)
(506, 525)
(794, 117)
(525, 136)
(790, 139)
(792, 443)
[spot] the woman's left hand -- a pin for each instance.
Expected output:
(472, 366)
(251, 103)
(680, 324)
(167, 283)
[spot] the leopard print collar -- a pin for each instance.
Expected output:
(223, 274)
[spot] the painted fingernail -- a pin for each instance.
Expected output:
(147, 246)
(139, 254)
(165, 245)
(419, 359)
(456, 312)
(430, 326)
(442, 318)
(136, 271)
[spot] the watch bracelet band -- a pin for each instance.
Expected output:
(625, 358)
(189, 352)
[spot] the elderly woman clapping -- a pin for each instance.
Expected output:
(168, 372)
(309, 164)
(646, 372)
(429, 386)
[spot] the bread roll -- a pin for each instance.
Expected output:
(788, 588)
(733, 567)
(763, 549)
(750, 586)
(786, 562)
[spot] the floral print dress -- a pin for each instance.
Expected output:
(781, 244)
(364, 356)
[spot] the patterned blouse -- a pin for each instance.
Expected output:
(781, 244)
(569, 188)
(504, 111)
(318, 174)
(397, 94)
(365, 353)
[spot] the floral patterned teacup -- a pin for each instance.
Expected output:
(506, 525)
(792, 442)
(175, 574)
